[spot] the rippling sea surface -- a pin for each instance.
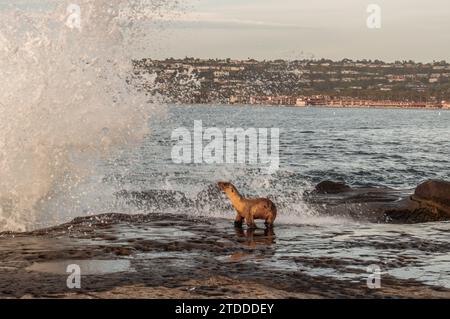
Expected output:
(370, 147)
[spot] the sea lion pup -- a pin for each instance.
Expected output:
(249, 209)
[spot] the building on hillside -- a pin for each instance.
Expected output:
(273, 100)
(300, 101)
(445, 104)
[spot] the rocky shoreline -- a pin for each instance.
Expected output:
(169, 256)
(430, 202)
(180, 256)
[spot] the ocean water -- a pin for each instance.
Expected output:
(363, 147)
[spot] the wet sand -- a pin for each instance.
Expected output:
(171, 256)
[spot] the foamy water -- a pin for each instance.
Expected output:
(66, 101)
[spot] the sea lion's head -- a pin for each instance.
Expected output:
(228, 188)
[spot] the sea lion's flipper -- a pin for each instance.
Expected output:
(268, 225)
(238, 224)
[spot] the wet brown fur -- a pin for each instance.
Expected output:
(249, 209)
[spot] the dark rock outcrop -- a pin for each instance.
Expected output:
(411, 216)
(434, 195)
(329, 187)
(429, 203)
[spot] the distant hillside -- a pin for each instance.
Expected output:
(230, 81)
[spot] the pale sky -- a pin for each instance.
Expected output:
(336, 29)
(411, 29)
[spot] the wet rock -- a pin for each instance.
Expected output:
(329, 187)
(172, 256)
(364, 204)
(410, 216)
(434, 195)
(429, 203)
